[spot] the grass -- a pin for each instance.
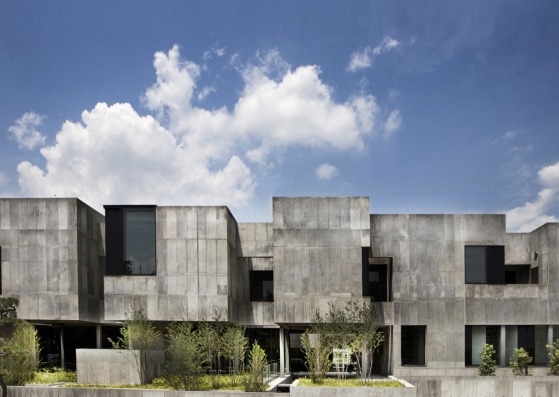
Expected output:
(53, 375)
(335, 382)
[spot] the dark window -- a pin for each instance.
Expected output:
(376, 276)
(476, 337)
(261, 286)
(485, 264)
(413, 344)
(532, 338)
(517, 274)
(130, 240)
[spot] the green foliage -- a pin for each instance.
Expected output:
(8, 309)
(53, 375)
(20, 354)
(209, 339)
(184, 361)
(488, 365)
(553, 353)
(336, 382)
(254, 377)
(140, 335)
(519, 362)
(235, 345)
(317, 355)
(354, 328)
(227, 382)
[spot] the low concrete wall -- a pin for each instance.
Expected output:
(44, 391)
(303, 391)
(486, 386)
(115, 367)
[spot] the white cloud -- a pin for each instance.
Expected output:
(364, 59)
(533, 213)
(204, 92)
(191, 155)
(25, 132)
(326, 171)
(392, 123)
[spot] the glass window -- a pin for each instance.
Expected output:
(413, 344)
(261, 286)
(130, 240)
(484, 264)
(476, 337)
(532, 338)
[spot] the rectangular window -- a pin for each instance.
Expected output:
(532, 338)
(413, 344)
(484, 264)
(130, 240)
(261, 286)
(476, 337)
(517, 274)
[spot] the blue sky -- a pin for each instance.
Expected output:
(426, 107)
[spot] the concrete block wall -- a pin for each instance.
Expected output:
(195, 253)
(43, 245)
(545, 241)
(317, 254)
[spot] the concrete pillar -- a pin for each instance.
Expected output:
(98, 336)
(503, 346)
(282, 350)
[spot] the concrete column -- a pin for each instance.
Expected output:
(282, 350)
(503, 346)
(98, 336)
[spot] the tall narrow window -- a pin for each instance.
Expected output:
(130, 237)
(532, 338)
(413, 344)
(476, 337)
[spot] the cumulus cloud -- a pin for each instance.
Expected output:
(364, 59)
(326, 171)
(186, 154)
(392, 123)
(25, 131)
(533, 213)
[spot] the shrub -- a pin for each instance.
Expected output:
(519, 362)
(488, 365)
(53, 375)
(553, 353)
(254, 378)
(184, 359)
(21, 355)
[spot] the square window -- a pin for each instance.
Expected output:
(484, 264)
(413, 344)
(261, 286)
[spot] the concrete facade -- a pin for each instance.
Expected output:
(53, 260)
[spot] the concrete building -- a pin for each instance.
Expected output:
(444, 284)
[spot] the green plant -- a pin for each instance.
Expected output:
(235, 345)
(553, 353)
(184, 361)
(317, 355)
(139, 335)
(488, 365)
(53, 375)
(336, 382)
(20, 354)
(254, 377)
(519, 362)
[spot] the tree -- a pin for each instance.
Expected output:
(257, 362)
(317, 354)
(553, 353)
(138, 335)
(184, 361)
(488, 365)
(519, 362)
(234, 347)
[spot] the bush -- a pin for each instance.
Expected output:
(488, 365)
(21, 355)
(254, 378)
(553, 353)
(184, 359)
(336, 382)
(519, 362)
(53, 375)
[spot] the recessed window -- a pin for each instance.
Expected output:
(261, 286)
(476, 337)
(485, 264)
(130, 237)
(532, 338)
(413, 344)
(517, 274)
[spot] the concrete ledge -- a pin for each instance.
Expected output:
(319, 391)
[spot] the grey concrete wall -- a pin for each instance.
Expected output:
(43, 391)
(114, 367)
(195, 252)
(317, 254)
(545, 241)
(300, 391)
(517, 249)
(49, 256)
